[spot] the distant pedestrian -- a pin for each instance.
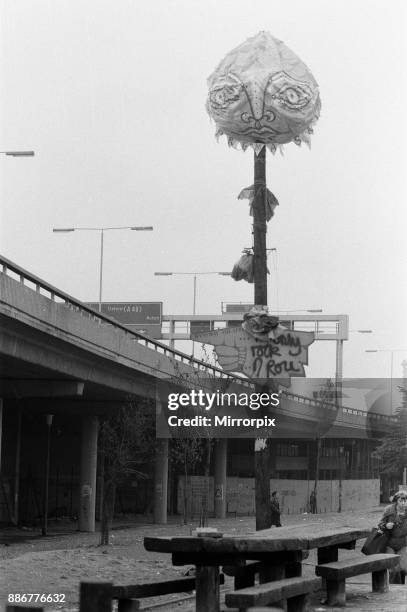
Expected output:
(275, 509)
(313, 502)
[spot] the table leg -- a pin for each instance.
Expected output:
(293, 569)
(207, 588)
(327, 554)
(288, 566)
(241, 582)
(268, 573)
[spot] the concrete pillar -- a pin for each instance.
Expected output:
(17, 468)
(1, 426)
(87, 486)
(221, 451)
(161, 482)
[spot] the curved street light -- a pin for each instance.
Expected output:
(136, 228)
(18, 153)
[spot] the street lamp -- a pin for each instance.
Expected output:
(194, 274)
(136, 228)
(391, 351)
(18, 153)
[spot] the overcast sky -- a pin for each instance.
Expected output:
(111, 97)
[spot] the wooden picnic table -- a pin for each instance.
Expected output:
(278, 549)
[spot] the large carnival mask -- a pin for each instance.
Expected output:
(262, 93)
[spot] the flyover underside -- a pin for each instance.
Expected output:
(43, 339)
(36, 364)
(32, 363)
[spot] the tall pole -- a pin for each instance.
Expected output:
(193, 312)
(194, 303)
(391, 382)
(101, 271)
(260, 229)
(262, 452)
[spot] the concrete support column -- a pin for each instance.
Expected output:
(1, 426)
(87, 490)
(221, 452)
(161, 482)
(17, 468)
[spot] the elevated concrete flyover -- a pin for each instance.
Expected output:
(59, 357)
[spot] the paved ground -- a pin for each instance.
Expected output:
(57, 563)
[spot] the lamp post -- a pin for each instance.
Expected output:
(194, 274)
(339, 361)
(136, 228)
(391, 351)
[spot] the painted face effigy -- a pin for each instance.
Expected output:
(262, 93)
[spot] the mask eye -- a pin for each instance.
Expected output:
(222, 97)
(293, 97)
(288, 92)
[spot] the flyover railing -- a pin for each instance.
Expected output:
(332, 406)
(45, 289)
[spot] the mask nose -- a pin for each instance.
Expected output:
(256, 95)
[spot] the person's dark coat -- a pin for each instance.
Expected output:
(397, 535)
(275, 512)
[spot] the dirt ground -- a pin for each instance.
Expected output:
(30, 563)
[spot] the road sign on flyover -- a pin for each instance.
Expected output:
(144, 317)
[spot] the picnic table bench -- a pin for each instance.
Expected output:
(292, 591)
(336, 573)
(276, 551)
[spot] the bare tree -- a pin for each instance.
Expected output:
(326, 396)
(186, 453)
(127, 447)
(197, 448)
